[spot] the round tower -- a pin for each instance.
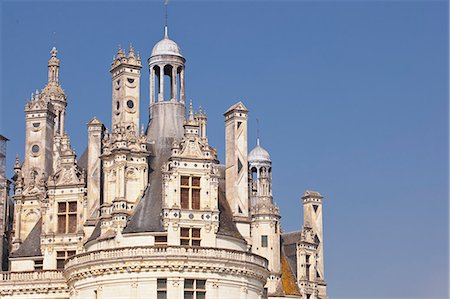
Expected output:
(265, 216)
(167, 97)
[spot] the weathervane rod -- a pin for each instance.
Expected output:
(166, 3)
(257, 131)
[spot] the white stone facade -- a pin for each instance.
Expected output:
(151, 213)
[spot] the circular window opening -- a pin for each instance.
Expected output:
(130, 80)
(130, 104)
(35, 148)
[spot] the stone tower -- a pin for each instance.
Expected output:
(265, 215)
(124, 150)
(39, 155)
(236, 167)
(126, 73)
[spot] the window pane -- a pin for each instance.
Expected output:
(196, 233)
(184, 181)
(61, 207)
(196, 199)
(185, 232)
(264, 241)
(60, 263)
(162, 284)
(196, 182)
(70, 253)
(201, 295)
(160, 239)
(184, 242)
(195, 242)
(201, 284)
(188, 283)
(72, 223)
(188, 295)
(60, 254)
(184, 198)
(61, 224)
(73, 206)
(161, 295)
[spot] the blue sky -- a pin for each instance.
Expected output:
(352, 98)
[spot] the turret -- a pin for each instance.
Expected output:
(265, 215)
(167, 97)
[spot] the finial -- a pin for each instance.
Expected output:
(200, 110)
(17, 162)
(131, 51)
(54, 51)
(191, 111)
(37, 92)
(142, 129)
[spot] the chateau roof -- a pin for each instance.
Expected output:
(166, 46)
(147, 214)
(289, 248)
(259, 154)
(32, 244)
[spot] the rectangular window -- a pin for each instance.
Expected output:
(264, 242)
(67, 217)
(160, 240)
(194, 289)
(38, 264)
(190, 193)
(61, 256)
(190, 236)
(161, 287)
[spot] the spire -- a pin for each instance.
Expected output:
(191, 111)
(53, 66)
(17, 162)
(131, 51)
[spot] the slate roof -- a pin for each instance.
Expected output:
(289, 248)
(147, 214)
(82, 161)
(31, 246)
(288, 279)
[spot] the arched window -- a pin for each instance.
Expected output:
(168, 82)
(156, 72)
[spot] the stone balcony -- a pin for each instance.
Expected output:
(46, 283)
(170, 258)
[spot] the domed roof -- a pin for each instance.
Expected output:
(259, 154)
(166, 46)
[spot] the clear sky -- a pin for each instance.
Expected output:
(352, 98)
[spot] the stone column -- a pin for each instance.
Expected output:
(174, 83)
(182, 85)
(152, 86)
(161, 84)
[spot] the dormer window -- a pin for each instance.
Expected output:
(190, 193)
